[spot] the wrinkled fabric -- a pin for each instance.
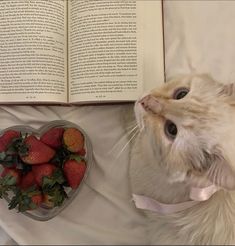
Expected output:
(199, 37)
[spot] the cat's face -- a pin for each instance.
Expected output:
(189, 123)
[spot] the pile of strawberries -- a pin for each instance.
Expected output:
(38, 171)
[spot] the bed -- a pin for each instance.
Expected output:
(199, 38)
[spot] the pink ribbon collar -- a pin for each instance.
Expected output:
(197, 195)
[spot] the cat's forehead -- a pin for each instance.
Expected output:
(194, 83)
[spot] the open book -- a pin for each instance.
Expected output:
(79, 51)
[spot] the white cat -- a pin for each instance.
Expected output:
(187, 139)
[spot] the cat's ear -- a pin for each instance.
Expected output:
(220, 171)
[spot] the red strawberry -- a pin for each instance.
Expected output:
(73, 140)
(26, 200)
(37, 153)
(74, 172)
(6, 139)
(55, 196)
(47, 201)
(44, 170)
(82, 152)
(37, 199)
(11, 176)
(27, 181)
(53, 137)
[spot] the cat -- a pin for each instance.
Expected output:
(186, 135)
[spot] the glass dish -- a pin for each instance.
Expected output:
(42, 213)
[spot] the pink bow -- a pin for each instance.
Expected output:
(197, 195)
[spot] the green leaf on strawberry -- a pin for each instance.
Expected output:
(4, 189)
(26, 200)
(24, 167)
(14, 202)
(10, 177)
(53, 188)
(2, 156)
(6, 139)
(17, 145)
(56, 178)
(77, 158)
(8, 180)
(9, 157)
(61, 156)
(56, 195)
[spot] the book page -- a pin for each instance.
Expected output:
(115, 49)
(150, 36)
(33, 51)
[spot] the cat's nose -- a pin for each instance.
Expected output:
(150, 103)
(145, 101)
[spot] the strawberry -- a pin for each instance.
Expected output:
(43, 170)
(53, 137)
(82, 152)
(27, 181)
(37, 152)
(26, 200)
(10, 176)
(6, 139)
(37, 199)
(53, 189)
(73, 139)
(47, 201)
(74, 171)
(54, 196)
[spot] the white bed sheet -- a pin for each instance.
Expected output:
(103, 212)
(199, 37)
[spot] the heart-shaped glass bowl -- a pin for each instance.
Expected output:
(42, 213)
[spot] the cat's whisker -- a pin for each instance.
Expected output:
(128, 133)
(133, 129)
(120, 141)
(133, 122)
(131, 126)
(125, 146)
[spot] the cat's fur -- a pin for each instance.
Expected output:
(202, 152)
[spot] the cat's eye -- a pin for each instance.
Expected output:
(180, 93)
(170, 129)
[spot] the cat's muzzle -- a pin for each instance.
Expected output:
(151, 103)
